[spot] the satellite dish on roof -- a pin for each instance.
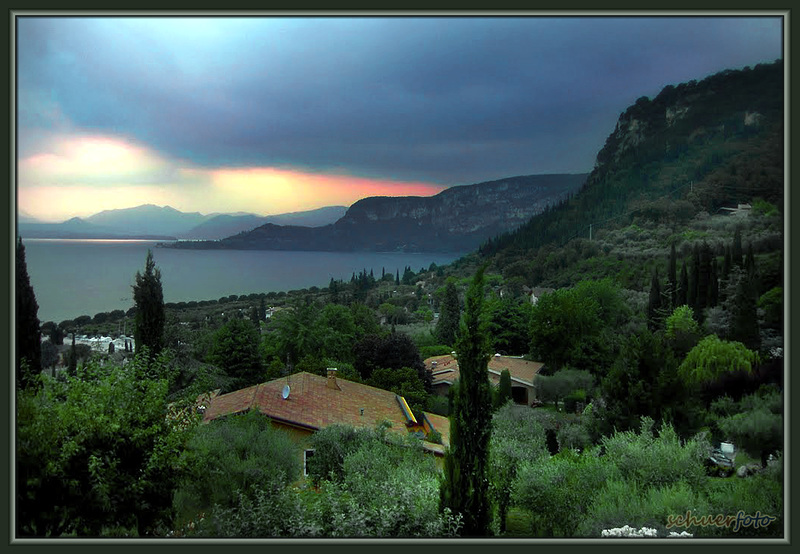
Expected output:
(285, 393)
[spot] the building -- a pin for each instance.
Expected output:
(444, 372)
(304, 403)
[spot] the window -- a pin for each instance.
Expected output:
(307, 455)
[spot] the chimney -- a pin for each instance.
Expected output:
(332, 379)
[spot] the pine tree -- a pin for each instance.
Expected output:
(28, 331)
(150, 316)
(449, 315)
(397, 279)
(465, 487)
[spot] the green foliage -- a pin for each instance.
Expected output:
(762, 493)
(517, 438)
(712, 358)
(234, 456)
(656, 461)
(404, 381)
(553, 388)
(148, 299)
(331, 446)
(755, 423)
(623, 502)
(578, 326)
(235, 350)
(386, 490)
(772, 304)
(96, 452)
(27, 335)
(465, 488)
(449, 315)
(509, 325)
(560, 491)
(502, 394)
(683, 332)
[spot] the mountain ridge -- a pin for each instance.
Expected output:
(457, 219)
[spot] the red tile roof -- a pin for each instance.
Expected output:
(522, 371)
(313, 405)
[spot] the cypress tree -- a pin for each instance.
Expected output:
(150, 316)
(703, 278)
(449, 315)
(726, 263)
(397, 278)
(465, 487)
(682, 298)
(736, 249)
(691, 295)
(72, 366)
(713, 290)
(654, 303)
(28, 330)
(503, 389)
(672, 276)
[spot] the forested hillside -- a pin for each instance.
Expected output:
(684, 156)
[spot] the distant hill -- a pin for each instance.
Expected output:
(225, 225)
(166, 223)
(77, 228)
(455, 220)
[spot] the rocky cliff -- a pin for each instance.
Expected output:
(458, 219)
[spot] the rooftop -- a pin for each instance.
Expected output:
(445, 369)
(313, 405)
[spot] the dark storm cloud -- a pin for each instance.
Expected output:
(440, 99)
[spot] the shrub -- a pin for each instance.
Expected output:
(652, 461)
(623, 502)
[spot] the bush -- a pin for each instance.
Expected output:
(560, 491)
(652, 461)
(232, 457)
(623, 502)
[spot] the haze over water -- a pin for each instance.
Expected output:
(85, 277)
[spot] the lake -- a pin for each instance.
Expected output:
(86, 277)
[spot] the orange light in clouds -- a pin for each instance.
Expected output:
(273, 190)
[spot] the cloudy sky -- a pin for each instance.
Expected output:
(274, 114)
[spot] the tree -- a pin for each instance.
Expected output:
(682, 332)
(654, 304)
(465, 487)
(235, 350)
(97, 454)
(235, 456)
(712, 358)
(149, 302)
(517, 437)
(736, 249)
(449, 315)
(672, 276)
(28, 332)
(682, 297)
(503, 394)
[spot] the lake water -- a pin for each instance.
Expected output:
(86, 277)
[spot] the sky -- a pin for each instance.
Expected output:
(271, 115)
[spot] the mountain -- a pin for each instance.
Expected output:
(457, 219)
(671, 166)
(166, 223)
(224, 225)
(147, 219)
(77, 228)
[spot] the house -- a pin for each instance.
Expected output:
(444, 372)
(304, 403)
